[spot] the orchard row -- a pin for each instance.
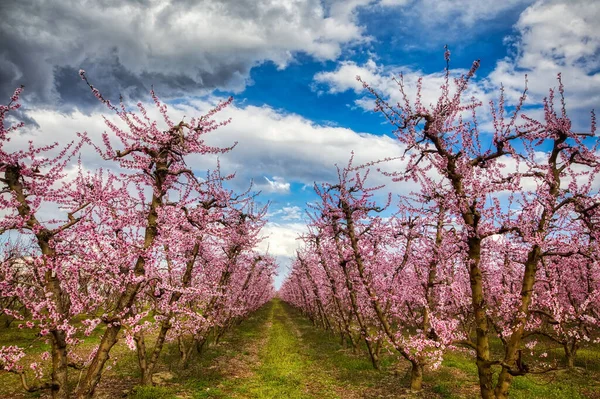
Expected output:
(140, 249)
(497, 244)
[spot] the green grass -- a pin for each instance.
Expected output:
(282, 368)
(284, 371)
(23, 337)
(458, 378)
(277, 353)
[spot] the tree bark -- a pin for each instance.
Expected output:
(570, 353)
(59, 366)
(416, 377)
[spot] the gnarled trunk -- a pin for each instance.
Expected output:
(416, 376)
(570, 353)
(60, 374)
(89, 383)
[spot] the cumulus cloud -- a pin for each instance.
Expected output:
(274, 148)
(380, 78)
(291, 213)
(271, 143)
(177, 45)
(282, 238)
(284, 266)
(468, 12)
(190, 47)
(552, 37)
(281, 242)
(274, 143)
(344, 77)
(429, 24)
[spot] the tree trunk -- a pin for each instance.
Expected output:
(109, 339)
(512, 352)
(185, 353)
(147, 367)
(482, 345)
(484, 372)
(570, 354)
(503, 385)
(342, 338)
(200, 345)
(336, 299)
(378, 346)
(12, 177)
(140, 345)
(372, 353)
(60, 374)
(416, 377)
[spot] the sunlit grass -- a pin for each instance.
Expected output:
(285, 356)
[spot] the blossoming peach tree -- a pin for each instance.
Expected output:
(118, 252)
(498, 242)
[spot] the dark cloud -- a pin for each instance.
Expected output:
(21, 115)
(181, 47)
(112, 78)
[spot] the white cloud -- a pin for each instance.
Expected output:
(291, 213)
(284, 265)
(380, 78)
(188, 46)
(428, 24)
(344, 77)
(272, 143)
(394, 3)
(274, 148)
(286, 213)
(277, 185)
(553, 37)
(468, 12)
(282, 238)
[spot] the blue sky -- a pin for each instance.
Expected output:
(291, 67)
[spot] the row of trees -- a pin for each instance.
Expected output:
(498, 244)
(147, 252)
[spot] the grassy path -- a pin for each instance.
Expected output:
(285, 368)
(281, 355)
(277, 353)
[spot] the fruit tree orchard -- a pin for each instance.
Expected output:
(499, 241)
(151, 248)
